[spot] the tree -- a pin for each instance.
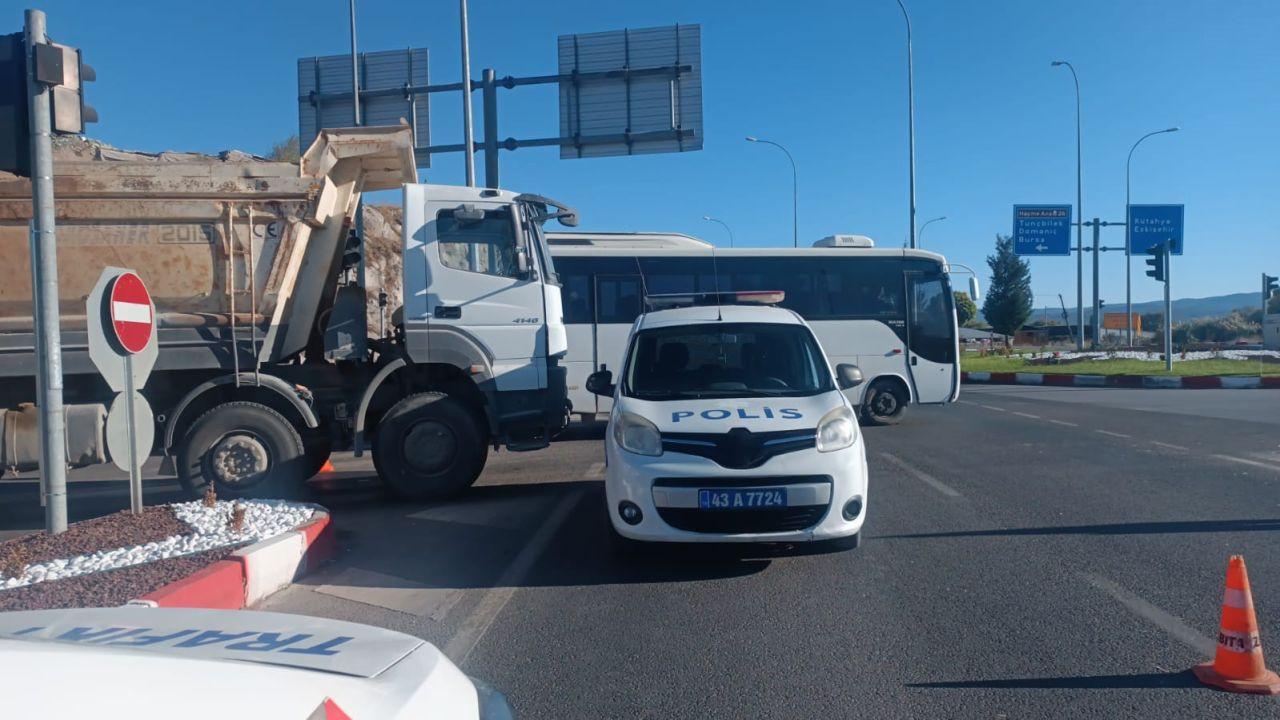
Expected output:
(966, 309)
(1152, 322)
(286, 150)
(1008, 303)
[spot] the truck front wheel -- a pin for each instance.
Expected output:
(245, 449)
(428, 446)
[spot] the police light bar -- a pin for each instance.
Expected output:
(741, 297)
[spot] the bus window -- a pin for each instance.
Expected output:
(618, 298)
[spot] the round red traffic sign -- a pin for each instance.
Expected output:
(131, 317)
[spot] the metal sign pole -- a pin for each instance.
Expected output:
(489, 86)
(135, 469)
(44, 270)
(1168, 310)
(1097, 308)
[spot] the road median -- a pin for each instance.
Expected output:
(1152, 382)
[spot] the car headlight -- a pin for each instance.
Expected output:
(635, 434)
(837, 430)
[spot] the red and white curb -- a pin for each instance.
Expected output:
(1205, 382)
(251, 573)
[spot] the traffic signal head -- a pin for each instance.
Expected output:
(62, 69)
(1156, 263)
(15, 137)
(1268, 285)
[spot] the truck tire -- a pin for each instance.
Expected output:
(245, 449)
(429, 445)
(885, 403)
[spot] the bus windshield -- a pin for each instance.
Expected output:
(729, 360)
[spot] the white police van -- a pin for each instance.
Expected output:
(728, 425)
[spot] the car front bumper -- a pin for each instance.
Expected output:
(825, 482)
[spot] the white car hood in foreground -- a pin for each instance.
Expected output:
(723, 414)
(163, 663)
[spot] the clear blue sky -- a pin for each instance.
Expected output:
(995, 123)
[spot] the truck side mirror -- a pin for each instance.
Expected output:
(522, 261)
(601, 383)
(848, 376)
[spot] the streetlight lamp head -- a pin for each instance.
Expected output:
(1175, 128)
(1056, 63)
(752, 139)
(706, 217)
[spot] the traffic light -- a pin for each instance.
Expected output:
(1159, 254)
(15, 135)
(64, 71)
(1268, 292)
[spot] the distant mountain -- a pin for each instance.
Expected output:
(1184, 309)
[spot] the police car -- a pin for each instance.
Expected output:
(728, 425)
(140, 662)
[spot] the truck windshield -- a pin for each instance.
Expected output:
(725, 360)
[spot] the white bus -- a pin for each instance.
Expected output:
(888, 311)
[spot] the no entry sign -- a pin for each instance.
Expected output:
(130, 308)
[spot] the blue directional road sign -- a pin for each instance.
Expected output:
(1042, 229)
(1150, 225)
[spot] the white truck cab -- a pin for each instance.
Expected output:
(729, 425)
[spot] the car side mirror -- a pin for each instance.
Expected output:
(848, 376)
(601, 383)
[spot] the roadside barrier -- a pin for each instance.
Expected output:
(1238, 665)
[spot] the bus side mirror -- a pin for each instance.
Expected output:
(601, 383)
(848, 376)
(974, 291)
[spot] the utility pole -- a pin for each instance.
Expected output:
(44, 276)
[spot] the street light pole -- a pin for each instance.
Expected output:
(468, 139)
(1128, 280)
(920, 240)
(723, 224)
(795, 193)
(911, 125)
(1079, 214)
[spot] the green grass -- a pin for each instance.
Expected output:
(994, 363)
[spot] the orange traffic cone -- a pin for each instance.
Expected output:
(1238, 665)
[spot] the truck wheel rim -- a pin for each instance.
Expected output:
(240, 460)
(429, 446)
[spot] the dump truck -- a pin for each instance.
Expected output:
(265, 364)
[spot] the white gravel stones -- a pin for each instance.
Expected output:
(211, 528)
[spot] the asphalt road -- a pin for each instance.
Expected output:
(1029, 552)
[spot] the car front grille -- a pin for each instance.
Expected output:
(739, 448)
(743, 521)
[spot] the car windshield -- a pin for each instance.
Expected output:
(725, 360)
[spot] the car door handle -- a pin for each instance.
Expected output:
(448, 312)
(914, 360)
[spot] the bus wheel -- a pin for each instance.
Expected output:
(428, 446)
(885, 403)
(245, 449)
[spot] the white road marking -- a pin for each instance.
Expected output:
(1168, 445)
(1026, 415)
(473, 629)
(993, 407)
(1112, 434)
(1246, 461)
(1161, 619)
(595, 472)
(924, 477)
(1063, 422)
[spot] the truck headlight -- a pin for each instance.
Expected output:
(837, 430)
(636, 434)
